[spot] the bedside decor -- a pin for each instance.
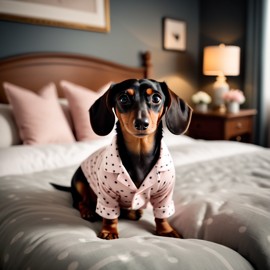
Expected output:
(201, 101)
(220, 61)
(174, 35)
(215, 125)
(233, 99)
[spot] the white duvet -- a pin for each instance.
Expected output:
(222, 198)
(26, 159)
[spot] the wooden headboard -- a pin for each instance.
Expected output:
(33, 71)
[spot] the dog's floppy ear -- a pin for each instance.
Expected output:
(178, 113)
(102, 117)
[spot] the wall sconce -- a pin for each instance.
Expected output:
(221, 61)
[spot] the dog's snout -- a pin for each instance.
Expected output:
(141, 123)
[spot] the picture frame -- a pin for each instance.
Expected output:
(89, 15)
(174, 34)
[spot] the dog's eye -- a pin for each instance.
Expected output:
(156, 99)
(124, 99)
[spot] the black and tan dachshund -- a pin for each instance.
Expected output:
(136, 168)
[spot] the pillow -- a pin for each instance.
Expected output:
(39, 116)
(64, 105)
(80, 99)
(9, 131)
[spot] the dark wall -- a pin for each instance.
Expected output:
(236, 22)
(223, 21)
(136, 26)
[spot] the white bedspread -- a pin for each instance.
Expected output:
(222, 198)
(26, 159)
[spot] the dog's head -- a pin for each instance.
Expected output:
(139, 106)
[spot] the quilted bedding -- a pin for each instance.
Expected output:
(222, 198)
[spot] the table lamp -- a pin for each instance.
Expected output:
(221, 61)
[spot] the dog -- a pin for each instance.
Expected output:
(136, 168)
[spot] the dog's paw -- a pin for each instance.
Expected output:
(131, 214)
(108, 235)
(87, 213)
(173, 234)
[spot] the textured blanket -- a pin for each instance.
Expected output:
(222, 210)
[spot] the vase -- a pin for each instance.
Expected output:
(201, 107)
(233, 107)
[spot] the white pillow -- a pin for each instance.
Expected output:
(65, 107)
(8, 128)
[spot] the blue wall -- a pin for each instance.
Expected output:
(136, 26)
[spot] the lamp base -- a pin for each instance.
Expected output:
(221, 108)
(220, 88)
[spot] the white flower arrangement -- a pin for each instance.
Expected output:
(201, 97)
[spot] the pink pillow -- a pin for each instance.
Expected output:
(80, 99)
(39, 116)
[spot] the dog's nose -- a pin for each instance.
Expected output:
(141, 123)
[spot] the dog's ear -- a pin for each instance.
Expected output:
(178, 113)
(102, 117)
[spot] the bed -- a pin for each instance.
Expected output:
(222, 191)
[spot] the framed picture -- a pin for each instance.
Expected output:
(91, 15)
(174, 35)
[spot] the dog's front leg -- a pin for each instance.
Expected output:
(163, 228)
(109, 229)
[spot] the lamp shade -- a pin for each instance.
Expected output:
(221, 60)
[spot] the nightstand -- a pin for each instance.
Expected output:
(214, 125)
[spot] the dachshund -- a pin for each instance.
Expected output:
(136, 168)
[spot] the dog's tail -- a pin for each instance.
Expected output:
(62, 188)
